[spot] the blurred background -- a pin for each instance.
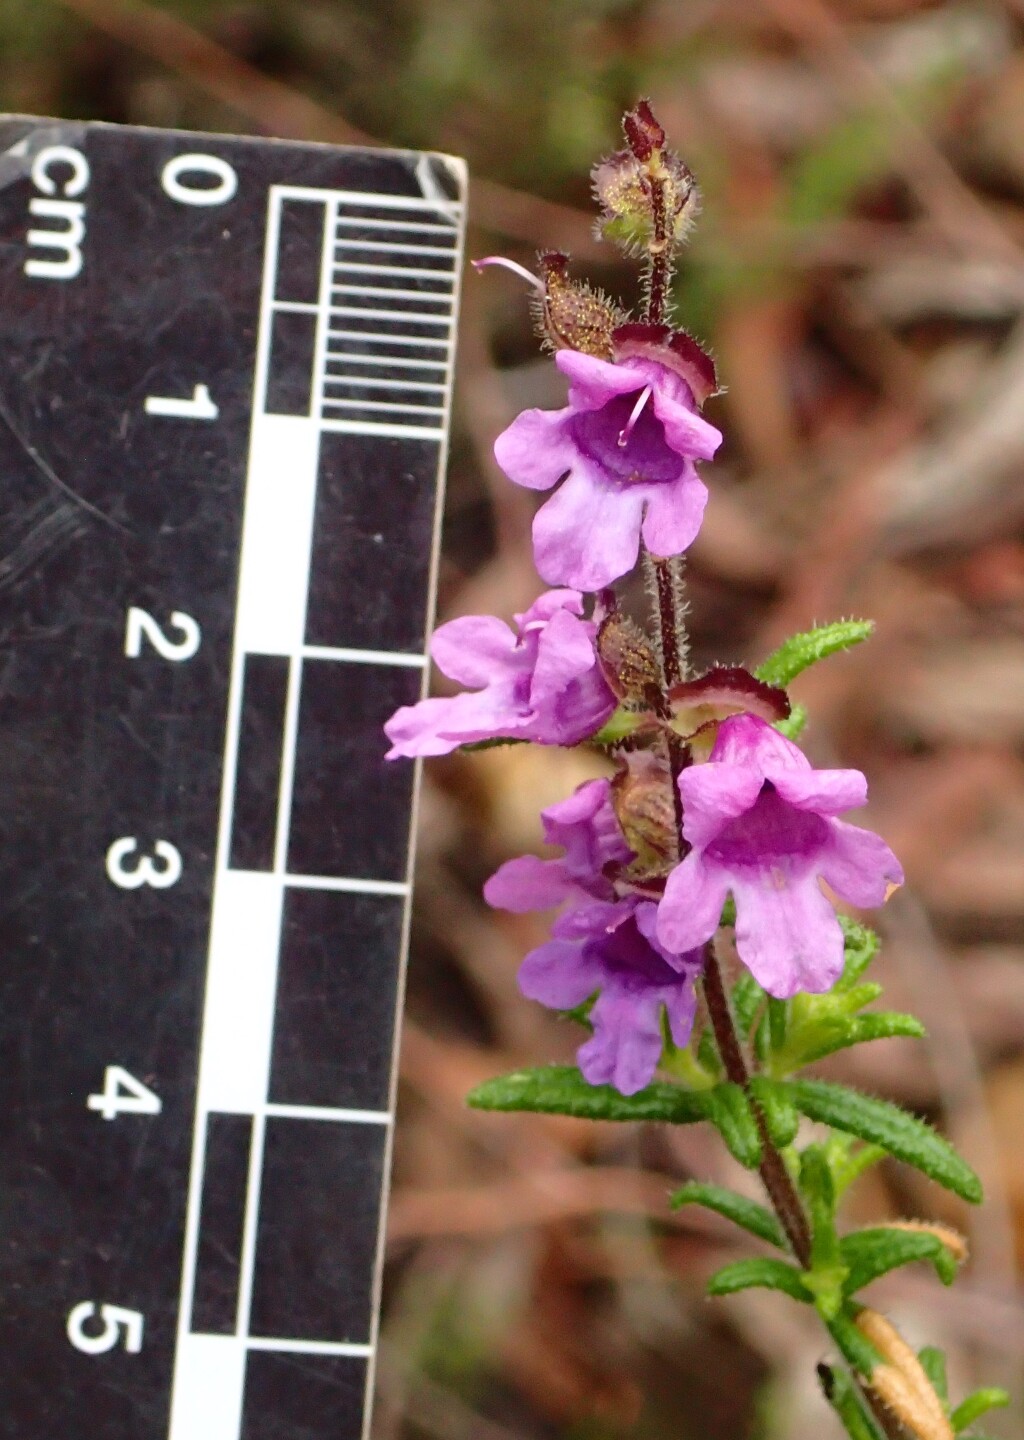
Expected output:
(859, 274)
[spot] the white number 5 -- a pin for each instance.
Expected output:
(145, 871)
(117, 1324)
(141, 624)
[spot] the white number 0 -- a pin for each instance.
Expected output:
(118, 1323)
(145, 871)
(141, 623)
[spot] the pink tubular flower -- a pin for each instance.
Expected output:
(626, 444)
(586, 828)
(541, 682)
(761, 823)
(613, 949)
(599, 944)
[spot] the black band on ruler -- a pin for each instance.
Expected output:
(224, 386)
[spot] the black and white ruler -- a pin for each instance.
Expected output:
(224, 384)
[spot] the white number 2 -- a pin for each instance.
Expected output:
(141, 624)
(145, 871)
(122, 1094)
(118, 1324)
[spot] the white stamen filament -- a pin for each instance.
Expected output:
(512, 265)
(627, 429)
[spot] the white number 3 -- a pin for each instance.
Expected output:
(145, 871)
(141, 624)
(118, 1323)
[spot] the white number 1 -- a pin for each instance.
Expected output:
(122, 1094)
(200, 407)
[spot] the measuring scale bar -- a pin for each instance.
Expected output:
(232, 650)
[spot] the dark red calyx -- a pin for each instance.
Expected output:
(724, 691)
(674, 349)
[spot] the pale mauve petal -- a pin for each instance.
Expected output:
(691, 907)
(564, 653)
(588, 534)
(713, 794)
(438, 726)
(528, 883)
(536, 450)
(685, 430)
(594, 382)
(473, 650)
(547, 605)
(675, 509)
(826, 792)
(626, 1045)
(559, 974)
(859, 865)
(749, 740)
(681, 1008)
(787, 934)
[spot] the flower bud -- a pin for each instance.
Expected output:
(642, 797)
(625, 182)
(628, 661)
(643, 133)
(571, 315)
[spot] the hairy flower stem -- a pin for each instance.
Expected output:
(668, 583)
(774, 1175)
(660, 245)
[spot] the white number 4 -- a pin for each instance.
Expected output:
(118, 1324)
(122, 1094)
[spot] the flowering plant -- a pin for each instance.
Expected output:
(712, 849)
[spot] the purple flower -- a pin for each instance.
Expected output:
(613, 949)
(586, 828)
(626, 443)
(762, 825)
(541, 682)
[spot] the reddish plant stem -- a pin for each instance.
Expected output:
(774, 1175)
(659, 249)
(671, 649)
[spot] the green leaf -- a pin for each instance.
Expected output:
(762, 1273)
(731, 1114)
(978, 1404)
(562, 1090)
(875, 1251)
(747, 996)
(800, 651)
(848, 1163)
(780, 1114)
(855, 1348)
(902, 1135)
(882, 1025)
(819, 1192)
(743, 1212)
(793, 725)
(618, 727)
(707, 1052)
(841, 1393)
(860, 948)
(933, 1363)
